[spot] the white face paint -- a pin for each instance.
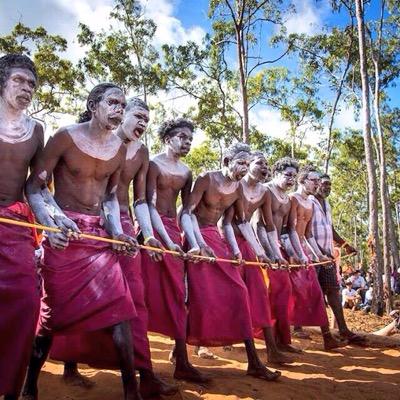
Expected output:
(108, 115)
(239, 166)
(43, 175)
(135, 123)
(181, 142)
(16, 96)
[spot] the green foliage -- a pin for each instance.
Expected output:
(202, 158)
(124, 53)
(59, 79)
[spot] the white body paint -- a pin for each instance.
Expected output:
(101, 149)
(281, 196)
(132, 148)
(17, 131)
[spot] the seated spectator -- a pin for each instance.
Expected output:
(350, 298)
(366, 305)
(358, 282)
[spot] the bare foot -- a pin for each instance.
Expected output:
(74, 378)
(29, 393)
(289, 349)
(29, 397)
(172, 357)
(331, 343)
(262, 372)
(277, 357)
(353, 338)
(204, 352)
(154, 386)
(301, 335)
(190, 374)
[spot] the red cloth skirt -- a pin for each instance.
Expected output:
(97, 348)
(219, 307)
(19, 299)
(165, 288)
(84, 287)
(253, 277)
(309, 306)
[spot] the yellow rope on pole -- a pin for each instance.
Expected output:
(156, 249)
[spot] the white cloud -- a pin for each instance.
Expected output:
(307, 19)
(170, 29)
(269, 121)
(346, 118)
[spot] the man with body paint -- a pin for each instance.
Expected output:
(164, 281)
(246, 246)
(21, 144)
(97, 351)
(309, 305)
(269, 232)
(219, 309)
(84, 287)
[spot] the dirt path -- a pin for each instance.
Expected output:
(351, 373)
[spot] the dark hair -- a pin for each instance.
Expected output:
(325, 176)
(96, 95)
(167, 128)
(285, 162)
(136, 102)
(304, 172)
(235, 149)
(256, 154)
(10, 61)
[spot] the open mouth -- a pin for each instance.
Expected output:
(115, 120)
(25, 99)
(138, 133)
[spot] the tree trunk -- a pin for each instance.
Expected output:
(329, 147)
(382, 166)
(376, 254)
(243, 86)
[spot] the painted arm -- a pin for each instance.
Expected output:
(189, 221)
(141, 208)
(111, 212)
(293, 236)
(229, 233)
(245, 227)
(151, 194)
(43, 205)
(270, 229)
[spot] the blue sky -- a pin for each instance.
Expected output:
(177, 21)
